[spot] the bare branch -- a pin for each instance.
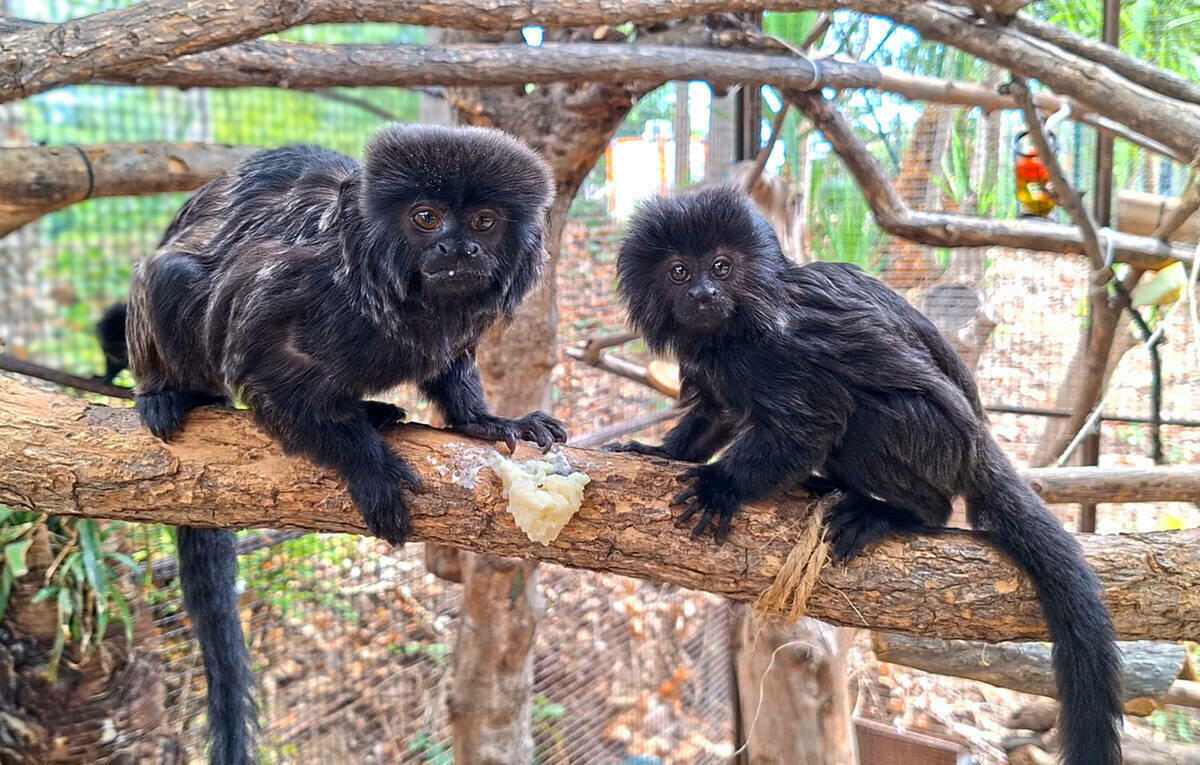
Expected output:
(1094, 485)
(99, 46)
(1188, 204)
(1147, 75)
(10, 363)
(1149, 668)
(63, 456)
(36, 180)
(955, 230)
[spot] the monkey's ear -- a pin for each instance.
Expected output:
(527, 266)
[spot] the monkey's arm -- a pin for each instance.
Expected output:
(787, 437)
(695, 438)
(458, 392)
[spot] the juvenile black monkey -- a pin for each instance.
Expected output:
(300, 282)
(821, 370)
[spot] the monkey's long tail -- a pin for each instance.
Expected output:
(1086, 658)
(208, 572)
(110, 330)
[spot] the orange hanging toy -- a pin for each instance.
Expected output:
(1034, 190)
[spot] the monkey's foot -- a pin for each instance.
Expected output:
(712, 496)
(163, 412)
(535, 426)
(637, 447)
(858, 521)
(380, 499)
(819, 486)
(383, 415)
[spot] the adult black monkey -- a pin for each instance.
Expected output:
(300, 282)
(823, 369)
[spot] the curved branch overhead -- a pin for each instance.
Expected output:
(941, 229)
(147, 34)
(66, 457)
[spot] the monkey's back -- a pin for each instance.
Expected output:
(269, 214)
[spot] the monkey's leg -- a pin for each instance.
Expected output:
(857, 521)
(342, 438)
(458, 392)
(383, 415)
(763, 458)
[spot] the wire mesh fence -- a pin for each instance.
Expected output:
(353, 640)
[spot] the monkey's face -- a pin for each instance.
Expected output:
(457, 252)
(699, 265)
(456, 213)
(700, 288)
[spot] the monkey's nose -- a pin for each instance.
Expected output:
(703, 294)
(472, 249)
(442, 248)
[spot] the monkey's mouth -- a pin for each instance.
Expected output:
(703, 318)
(456, 281)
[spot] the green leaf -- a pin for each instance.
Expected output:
(46, 593)
(124, 560)
(123, 609)
(89, 545)
(14, 557)
(6, 583)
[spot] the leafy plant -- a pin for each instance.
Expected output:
(430, 750)
(81, 583)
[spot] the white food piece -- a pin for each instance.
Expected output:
(542, 494)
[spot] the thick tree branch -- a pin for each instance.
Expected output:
(158, 31)
(1150, 669)
(1147, 75)
(1093, 485)
(954, 230)
(37, 180)
(62, 456)
(313, 66)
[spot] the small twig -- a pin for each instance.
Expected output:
(10, 363)
(330, 94)
(621, 429)
(1066, 194)
(824, 21)
(1189, 203)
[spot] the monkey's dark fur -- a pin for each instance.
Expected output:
(111, 332)
(301, 281)
(821, 369)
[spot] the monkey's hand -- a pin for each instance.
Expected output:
(383, 415)
(711, 494)
(380, 499)
(535, 426)
(637, 447)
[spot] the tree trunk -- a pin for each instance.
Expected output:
(683, 136)
(570, 125)
(493, 662)
(792, 691)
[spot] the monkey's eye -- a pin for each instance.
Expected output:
(721, 267)
(483, 220)
(426, 219)
(679, 273)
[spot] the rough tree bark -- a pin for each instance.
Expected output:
(64, 456)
